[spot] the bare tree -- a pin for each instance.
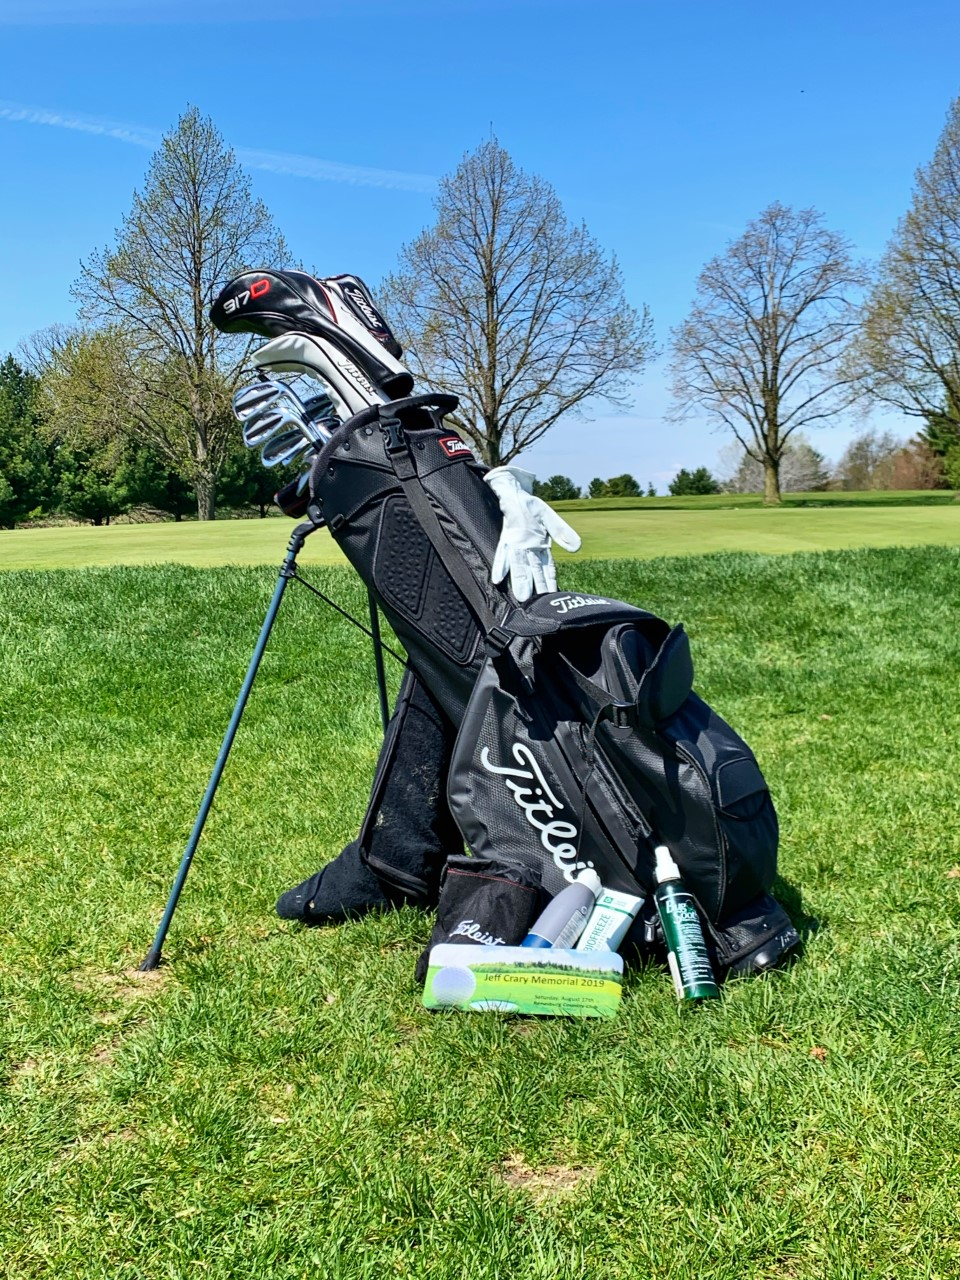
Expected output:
(916, 466)
(803, 469)
(761, 351)
(194, 225)
(868, 461)
(511, 307)
(909, 351)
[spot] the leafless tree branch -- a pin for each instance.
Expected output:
(194, 225)
(513, 308)
(762, 349)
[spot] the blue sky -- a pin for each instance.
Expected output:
(665, 126)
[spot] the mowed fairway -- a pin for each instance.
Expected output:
(638, 533)
(649, 534)
(275, 1103)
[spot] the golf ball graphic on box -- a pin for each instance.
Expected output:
(453, 985)
(548, 981)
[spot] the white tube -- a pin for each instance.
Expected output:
(608, 924)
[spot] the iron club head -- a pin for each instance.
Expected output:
(270, 406)
(285, 447)
(266, 423)
(253, 399)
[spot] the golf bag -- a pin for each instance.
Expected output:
(565, 731)
(581, 742)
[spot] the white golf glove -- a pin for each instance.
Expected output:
(528, 526)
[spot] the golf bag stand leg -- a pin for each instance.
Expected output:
(287, 571)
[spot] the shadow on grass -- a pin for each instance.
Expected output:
(790, 896)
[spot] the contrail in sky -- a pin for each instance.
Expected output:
(84, 124)
(332, 171)
(114, 13)
(282, 162)
(223, 13)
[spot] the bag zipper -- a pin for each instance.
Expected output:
(642, 830)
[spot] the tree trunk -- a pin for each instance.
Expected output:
(206, 491)
(490, 451)
(771, 483)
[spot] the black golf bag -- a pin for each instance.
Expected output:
(559, 734)
(580, 741)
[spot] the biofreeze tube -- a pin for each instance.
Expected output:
(609, 921)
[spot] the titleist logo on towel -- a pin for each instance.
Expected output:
(470, 929)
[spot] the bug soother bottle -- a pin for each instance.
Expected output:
(687, 953)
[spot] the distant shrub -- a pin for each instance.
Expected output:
(686, 482)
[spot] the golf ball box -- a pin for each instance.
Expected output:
(548, 982)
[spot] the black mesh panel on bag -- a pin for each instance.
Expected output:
(453, 625)
(409, 577)
(403, 559)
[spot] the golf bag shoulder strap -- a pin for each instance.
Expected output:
(404, 498)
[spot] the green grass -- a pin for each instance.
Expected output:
(727, 501)
(275, 1103)
(641, 528)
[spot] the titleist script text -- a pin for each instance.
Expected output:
(470, 929)
(539, 806)
(566, 603)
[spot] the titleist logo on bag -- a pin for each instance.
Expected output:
(566, 603)
(454, 447)
(531, 792)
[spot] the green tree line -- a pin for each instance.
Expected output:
(45, 474)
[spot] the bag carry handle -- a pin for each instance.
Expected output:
(440, 401)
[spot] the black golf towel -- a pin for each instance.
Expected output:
(484, 901)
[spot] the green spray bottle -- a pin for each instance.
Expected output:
(687, 954)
